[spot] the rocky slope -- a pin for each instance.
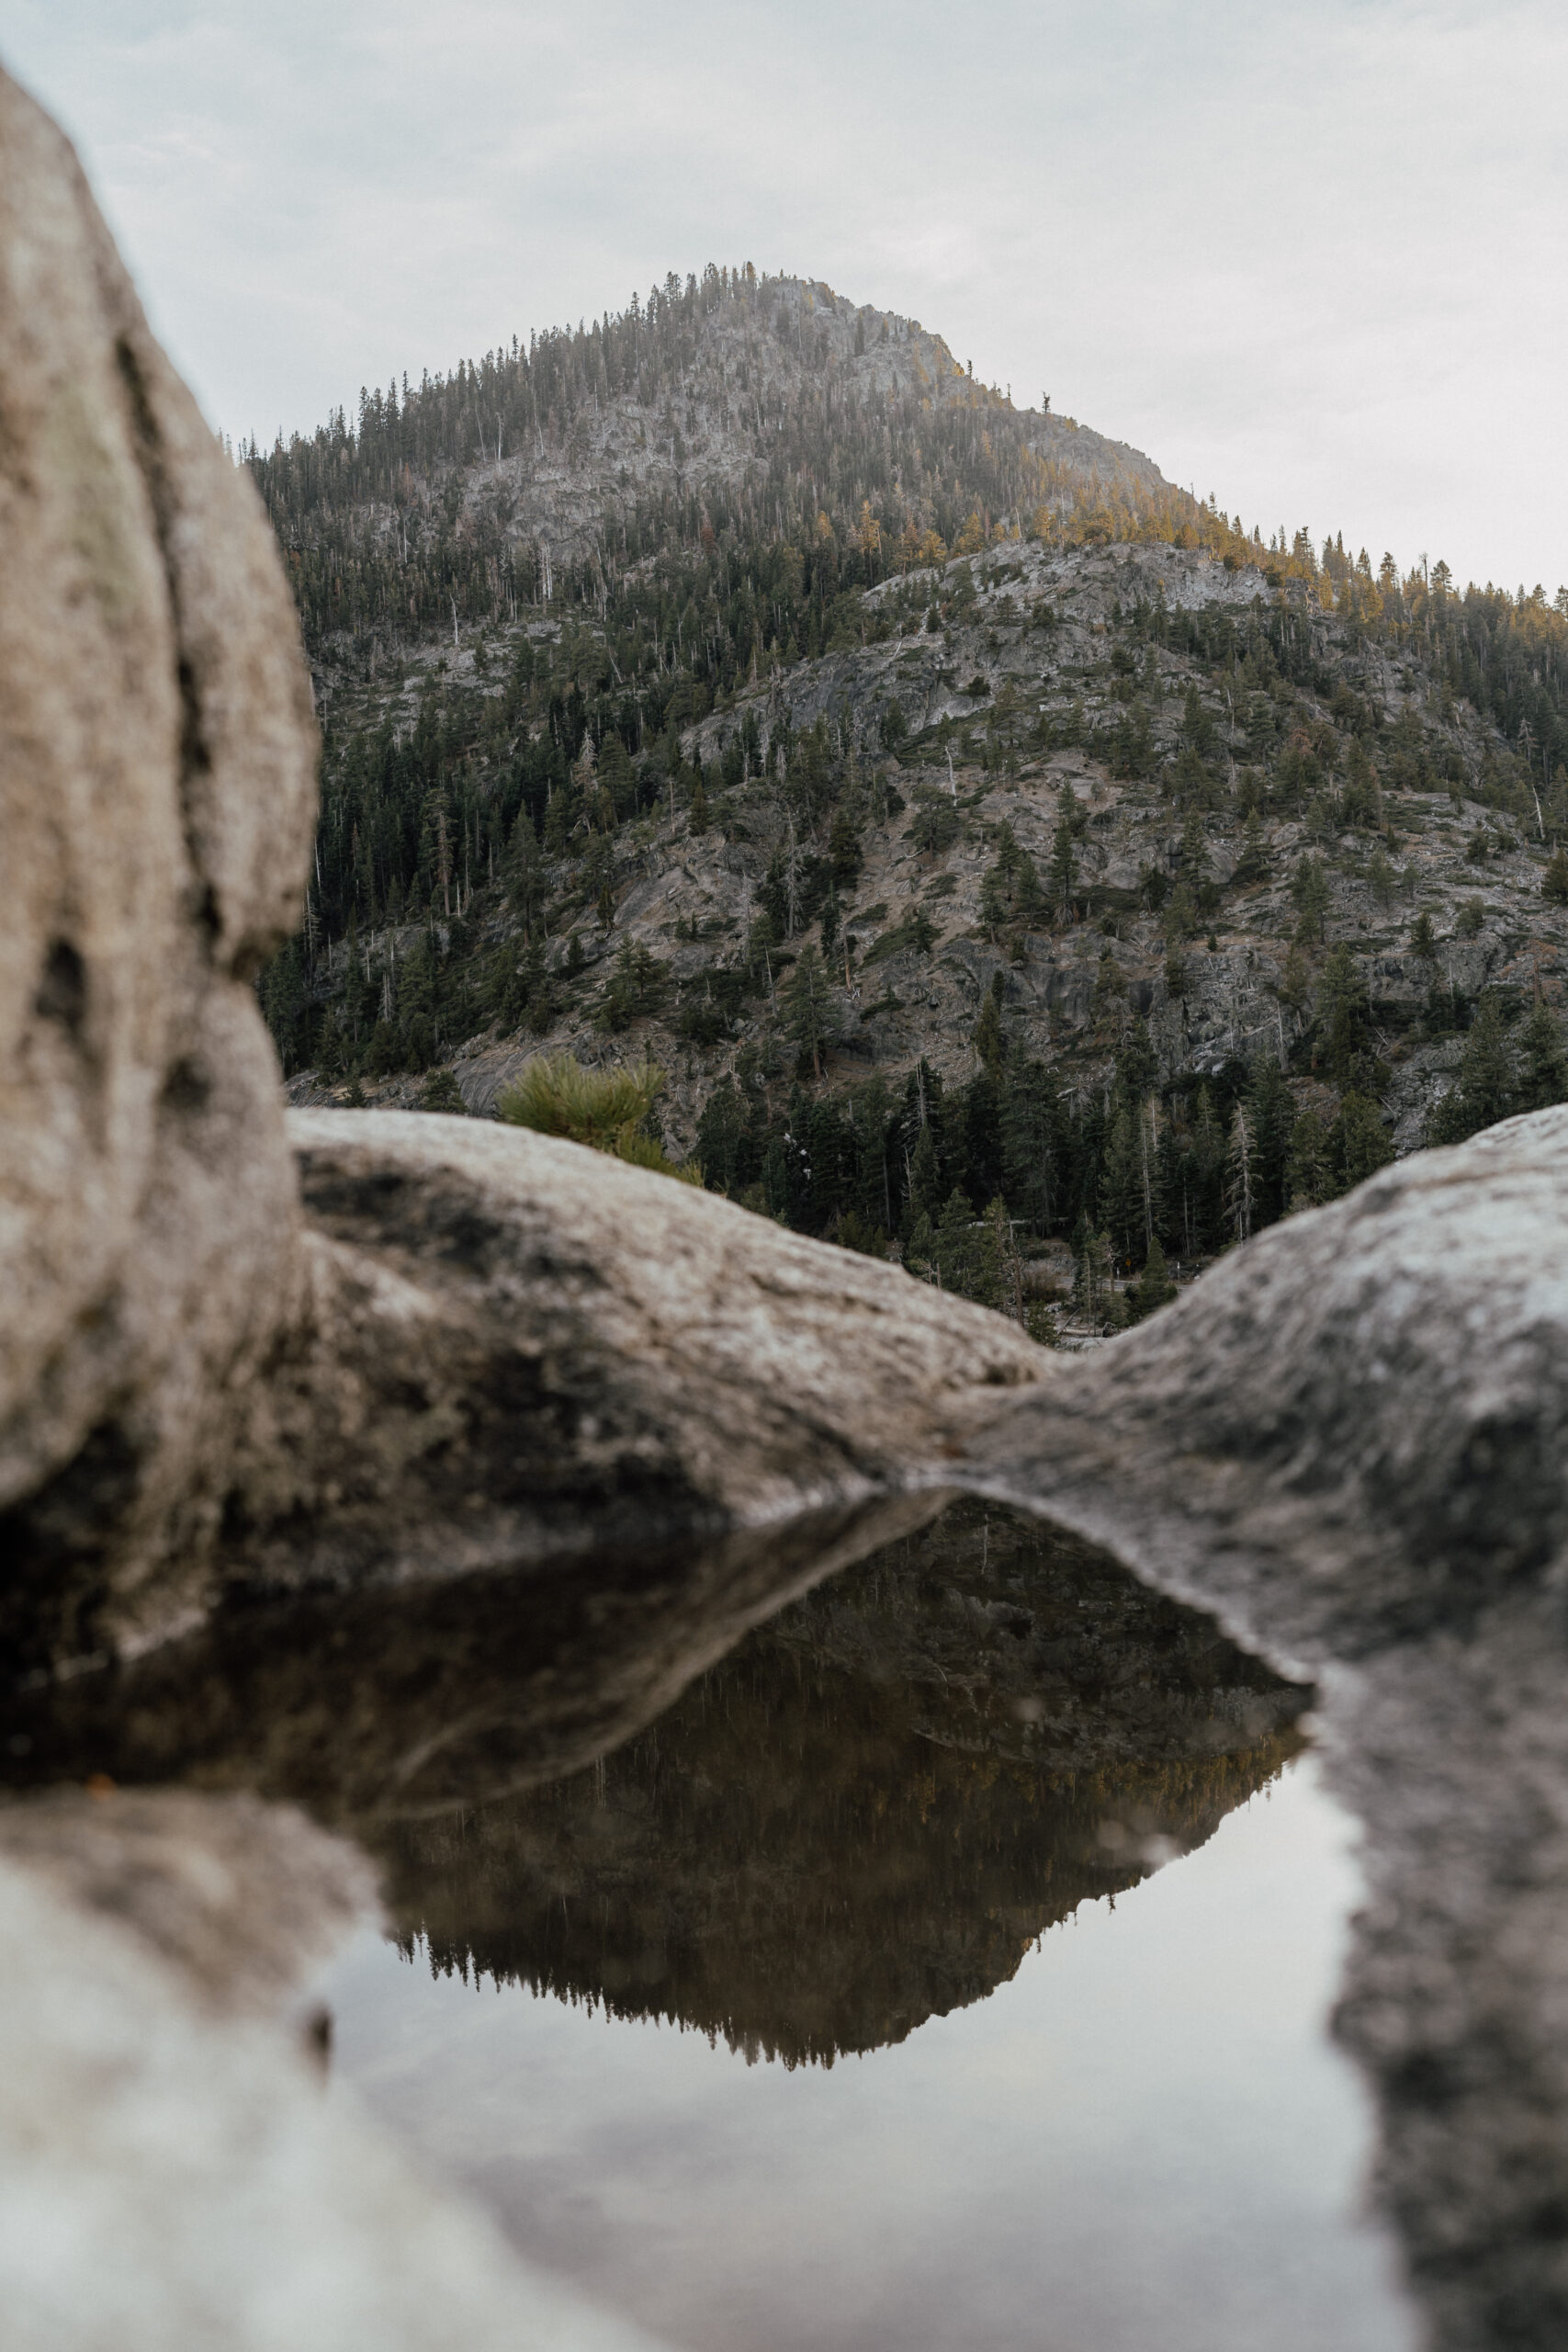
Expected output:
(1158, 802)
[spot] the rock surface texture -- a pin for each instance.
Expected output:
(1350, 1433)
(156, 798)
(517, 1348)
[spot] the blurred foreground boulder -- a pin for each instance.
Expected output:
(171, 2175)
(157, 795)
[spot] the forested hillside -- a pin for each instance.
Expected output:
(996, 848)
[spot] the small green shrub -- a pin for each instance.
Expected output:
(555, 1095)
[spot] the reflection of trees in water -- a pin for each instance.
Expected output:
(867, 1814)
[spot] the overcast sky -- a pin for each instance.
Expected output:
(1307, 258)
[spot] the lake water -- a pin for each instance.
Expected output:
(950, 1967)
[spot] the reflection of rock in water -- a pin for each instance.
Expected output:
(865, 1815)
(430, 1697)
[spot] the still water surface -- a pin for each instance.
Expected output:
(950, 1968)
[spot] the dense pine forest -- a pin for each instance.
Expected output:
(657, 659)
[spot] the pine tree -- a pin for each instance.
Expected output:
(1381, 879)
(1137, 1066)
(998, 1280)
(442, 1092)
(1342, 1012)
(1359, 1142)
(990, 1042)
(1152, 1164)
(924, 1176)
(1554, 880)
(1484, 1090)
(1544, 1069)
(1194, 850)
(1241, 1173)
(1273, 1116)
(1309, 890)
(956, 1251)
(1108, 1000)
(1307, 1170)
(806, 1006)
(1092, 1285)
(722, 1138)
(1033, 1138)
(1121, 1189)
(1153, 1286)
(1205, 1217)
(1192, 780)
(1253, 864)
(1064, 868)
(844, 842)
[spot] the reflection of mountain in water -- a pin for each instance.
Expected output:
(865, 1815)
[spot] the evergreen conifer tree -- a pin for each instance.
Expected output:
(1064, 868)
(1120, 1186)
(1033, 1136)
(806, 1006)
(1309, 890)
(990, 1042)
(1342, 1011)
(956, 1251)
(924, 1176)
(1484, 1091)
(1153, 1286)
(997, 1281)
(1544, 1069)
(1273, 1116)
(1359, 1142)
(1241, 1173)
(722, 1138)
(1308, 1182)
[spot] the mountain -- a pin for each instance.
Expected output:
(957, 812)
(717, 420)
